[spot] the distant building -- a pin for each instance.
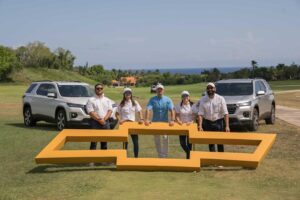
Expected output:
(129, 81)
(115, 83)
(126, 81)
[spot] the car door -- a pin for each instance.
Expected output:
(259, 98)
(265, 98)
(44, 105)
(41, 93)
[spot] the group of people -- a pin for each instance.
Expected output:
(210, 112)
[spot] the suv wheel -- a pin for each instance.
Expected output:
(28, 118)
(254, 122)
(61, 119)
(271, 119)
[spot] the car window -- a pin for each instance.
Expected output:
(75, 91)
(257, 87)
(262, 86)
(31, 87)
(44, 89)
(51, 88)
(234, 89)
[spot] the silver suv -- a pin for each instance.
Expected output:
(248, 101)
(63, 103)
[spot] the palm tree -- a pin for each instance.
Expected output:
(254, 65)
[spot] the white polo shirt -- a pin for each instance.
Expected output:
(185, 112)
(195, 107)
(100, 105)
(127, 112)
(213, 109)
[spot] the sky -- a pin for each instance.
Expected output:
(136, 34)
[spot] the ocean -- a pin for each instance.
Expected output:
(190, 70)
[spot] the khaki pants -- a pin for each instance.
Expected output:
(162, 144)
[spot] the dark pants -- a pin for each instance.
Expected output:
(217, 125)
(186, 146)
(96, 125)
(135, 141)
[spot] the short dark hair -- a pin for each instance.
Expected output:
(98, 85)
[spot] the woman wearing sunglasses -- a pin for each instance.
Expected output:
(185, 115)
(126, 113)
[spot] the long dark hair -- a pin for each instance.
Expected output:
(124, 99)
(191, 103)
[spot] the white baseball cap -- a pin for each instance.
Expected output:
(185, 93)
(211, 84)
(127, 90)
(159, 86)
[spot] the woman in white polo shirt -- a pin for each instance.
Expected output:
(185, 115)
(126, 113)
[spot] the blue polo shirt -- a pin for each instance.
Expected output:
(160, 107)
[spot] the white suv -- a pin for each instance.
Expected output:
(248, 101)
(63, 103)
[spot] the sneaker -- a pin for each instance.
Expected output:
(92, 164)
(220, 167)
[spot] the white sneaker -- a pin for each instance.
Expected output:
(92, 164)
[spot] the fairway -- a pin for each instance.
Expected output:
(277, 177)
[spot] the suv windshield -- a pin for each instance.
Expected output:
(234, 89)
(75, 91)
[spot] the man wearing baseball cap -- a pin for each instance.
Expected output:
(160, 106)
(212, 112)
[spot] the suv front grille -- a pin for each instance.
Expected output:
(231, 108)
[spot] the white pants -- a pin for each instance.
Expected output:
(162, 149)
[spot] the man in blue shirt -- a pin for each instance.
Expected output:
(160, 106)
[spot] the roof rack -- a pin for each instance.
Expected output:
(57, 81)
(43, 81)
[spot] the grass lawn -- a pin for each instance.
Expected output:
(285, 85)
(277, 177)
(290, 99)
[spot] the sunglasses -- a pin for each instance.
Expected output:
(185, 95)
(99, 88)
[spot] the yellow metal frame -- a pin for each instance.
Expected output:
(53, 152)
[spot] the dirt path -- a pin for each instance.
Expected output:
(290, 115)
(285, 91)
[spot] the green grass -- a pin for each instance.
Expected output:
(277, 177)
(285, 85)
(27, 75)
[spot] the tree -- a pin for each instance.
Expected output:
(214, 75)
(254, 66)
(63, 59)
(8, 61)
(35, 54)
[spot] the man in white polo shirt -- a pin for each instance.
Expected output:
(212, 111)
(100, 109)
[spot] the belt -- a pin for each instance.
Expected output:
(209, 121)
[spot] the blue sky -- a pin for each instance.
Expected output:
(158, 33)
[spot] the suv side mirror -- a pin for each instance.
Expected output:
(261, 92)
(51, 95)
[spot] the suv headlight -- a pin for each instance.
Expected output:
(75, 105)
(248, 103)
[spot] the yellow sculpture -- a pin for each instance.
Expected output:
(53, 152)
